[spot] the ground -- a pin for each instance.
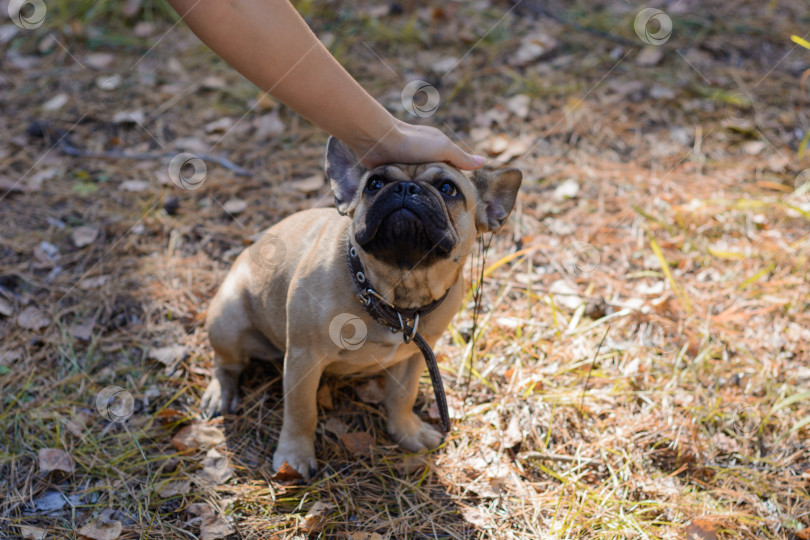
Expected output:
(641, 363)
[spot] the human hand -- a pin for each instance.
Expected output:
(409, 143)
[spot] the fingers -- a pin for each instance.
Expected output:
(462, 160)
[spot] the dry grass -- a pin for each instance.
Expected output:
(641, 367)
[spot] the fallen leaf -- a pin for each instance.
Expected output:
(335, 426)
(56, 102)
(54, 459)
(700, 529)
(174, 487)
(533, 47)
(650, 55)
(84, 235)
(32, 533)
(372, 391)
(99, 60)
(804, 534)
(476, 516)
(311, 184)
(358, 535)
(14, 186)
(411, 464)
(129, 117)
(134, 186)
(216, 468)
(6, 308)
(359, 443)
(93, 282)
(219, 126)
(519, 105)
(235, 206)
(287, 475)
(36, 180)
(212, 82)
(32, 318)
(316, 517)
(197, 436)
(104, 527)
(513, 435)
(568, 189)
(46, 252)
(212, 526)
(168, 356)
(82, 331)
(324, 397)
(269, 126)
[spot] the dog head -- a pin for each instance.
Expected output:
(412, 216)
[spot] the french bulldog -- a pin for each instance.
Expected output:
(292, 294)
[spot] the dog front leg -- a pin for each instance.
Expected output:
(296, 443)
(402, 387)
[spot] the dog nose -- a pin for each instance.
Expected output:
(408, 188)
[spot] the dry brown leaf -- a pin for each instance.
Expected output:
(317, 515)
(311, 184)
(94, 282)
(359, 443)
(32, 318)
(372, 391)
(476, 516)
(513, 435)
(84, 235)
(324, 397)
(174, 487)
(216, 468)
(335, 426)
(54, 459)
(700, 529)
(235, 206)
(358, 535)
(197, 436)
(6, 308)
(287, 475)
(804, 534)
(269, 126)
(212, 526)
(168, 356)
(104, 527)
(32, 533)
(412, 463)
(82, 331)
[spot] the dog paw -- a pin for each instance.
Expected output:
(414, 435)
(298, 454)
(221, 396)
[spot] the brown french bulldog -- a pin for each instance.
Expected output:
(293, 294)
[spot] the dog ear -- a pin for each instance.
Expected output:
(344, 172)
(497, 191)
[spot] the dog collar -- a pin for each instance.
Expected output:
(400, 320)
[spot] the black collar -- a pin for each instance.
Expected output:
(400, 320)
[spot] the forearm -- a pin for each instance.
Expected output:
(269, 43)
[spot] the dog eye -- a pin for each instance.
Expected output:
(448, 188)
(374, 183)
